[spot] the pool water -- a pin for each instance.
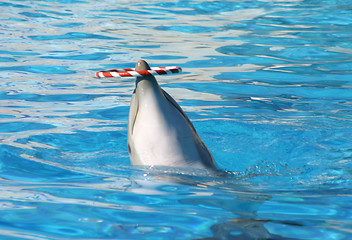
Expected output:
(267, 85)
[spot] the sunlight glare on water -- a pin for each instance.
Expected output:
(267, 85)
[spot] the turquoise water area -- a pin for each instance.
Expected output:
(267, 85)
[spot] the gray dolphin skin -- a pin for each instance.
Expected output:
(159, 131)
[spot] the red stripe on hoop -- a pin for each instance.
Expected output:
(160, 72)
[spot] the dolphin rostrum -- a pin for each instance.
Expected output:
(159, 131)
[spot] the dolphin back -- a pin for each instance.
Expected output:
(204, 152)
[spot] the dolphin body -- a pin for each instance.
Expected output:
(159, 131)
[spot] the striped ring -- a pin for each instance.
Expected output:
(130, 72)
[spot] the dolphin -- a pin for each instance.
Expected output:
(159, 131)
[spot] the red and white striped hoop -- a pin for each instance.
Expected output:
(130, 72)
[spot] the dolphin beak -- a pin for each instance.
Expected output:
(142, 65)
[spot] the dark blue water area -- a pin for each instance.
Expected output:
(266, 84)
(70, 35)
(38, 69)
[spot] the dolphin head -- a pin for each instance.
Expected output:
(159, 131)
(146, 85)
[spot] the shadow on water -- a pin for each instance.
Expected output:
(216, 191)
(250, 207)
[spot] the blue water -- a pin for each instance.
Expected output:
(267, 85)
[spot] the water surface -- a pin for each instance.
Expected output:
(266, 84)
